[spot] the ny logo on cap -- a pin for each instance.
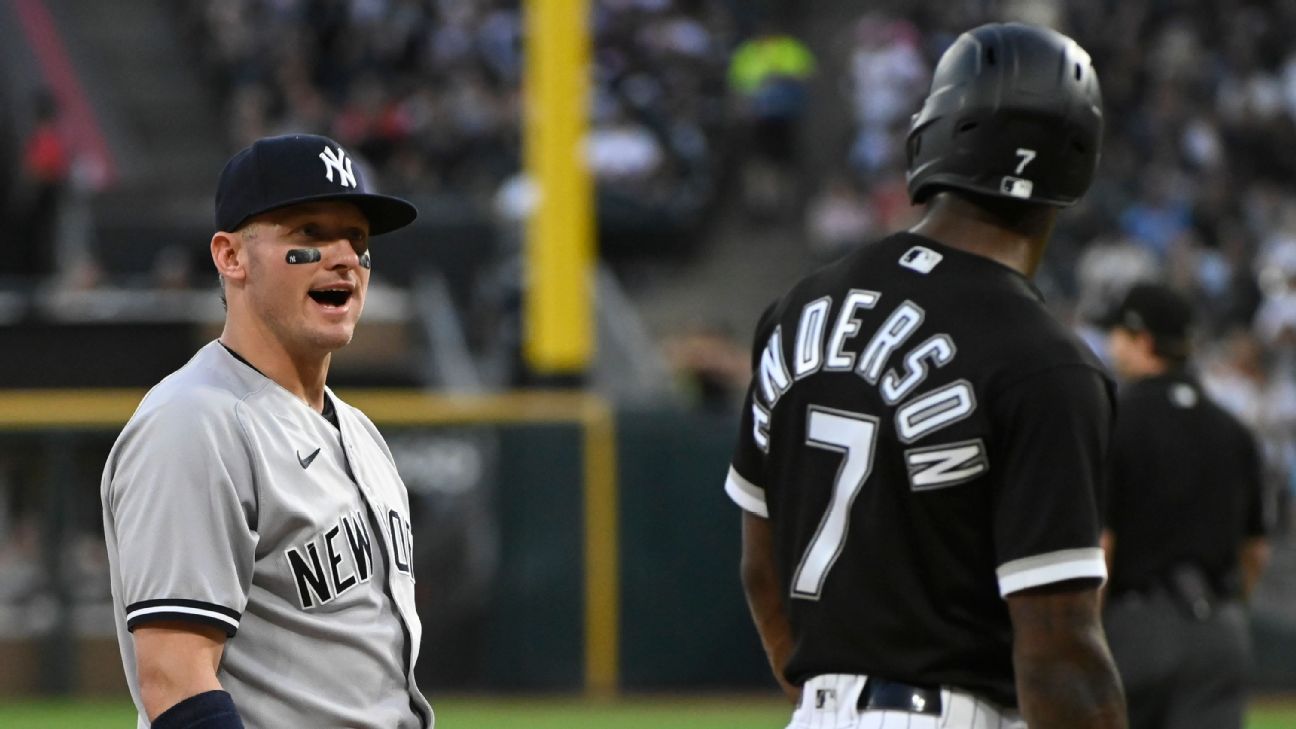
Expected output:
(340, 162)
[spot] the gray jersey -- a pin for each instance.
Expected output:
(228, 501)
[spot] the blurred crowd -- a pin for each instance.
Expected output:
(1194, 188)
(694, 98)
(429, 90)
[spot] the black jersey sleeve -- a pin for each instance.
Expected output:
(745, 482)
(1050, 436)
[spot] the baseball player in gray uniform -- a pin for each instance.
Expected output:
(258, 531)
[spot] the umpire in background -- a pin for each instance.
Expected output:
(1184, 534)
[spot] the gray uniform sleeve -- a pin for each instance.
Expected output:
(183, 506)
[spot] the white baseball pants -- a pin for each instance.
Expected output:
(829, 702)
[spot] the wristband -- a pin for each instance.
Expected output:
(207, 710)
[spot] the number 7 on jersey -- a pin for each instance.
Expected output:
(854, 436)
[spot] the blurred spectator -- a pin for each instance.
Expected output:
(838, 219)
(887, 79)
(713, 366)
(621, 150)
(888, 196)
(43, 183)
(1275, 321)
(430, 90)
(1262, 394)
(1160, 215)
(769, 74)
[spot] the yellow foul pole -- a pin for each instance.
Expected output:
(558, 325)
(558, 336)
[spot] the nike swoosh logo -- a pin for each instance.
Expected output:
(305, 462)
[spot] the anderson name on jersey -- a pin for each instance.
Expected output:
(927, 439)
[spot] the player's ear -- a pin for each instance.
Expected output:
(227, 254)
(1146, 342)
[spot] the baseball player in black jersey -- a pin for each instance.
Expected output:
(1185, 527)
(922, 443)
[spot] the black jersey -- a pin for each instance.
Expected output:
(1185, 485)
(926, 438)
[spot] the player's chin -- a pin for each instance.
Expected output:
(332, 327)
(334, 336)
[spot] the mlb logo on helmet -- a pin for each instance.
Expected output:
(1016, 187)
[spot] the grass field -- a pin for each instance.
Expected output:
(514, 713)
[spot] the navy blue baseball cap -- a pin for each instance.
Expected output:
(276, 172)
(1153, 308)
(1157, 310)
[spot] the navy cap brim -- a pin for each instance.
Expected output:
(384, 212)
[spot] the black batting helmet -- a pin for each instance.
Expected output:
(1014, 112)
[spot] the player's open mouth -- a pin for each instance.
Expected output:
(331, 297)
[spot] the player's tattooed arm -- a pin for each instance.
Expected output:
(765, 597)
(1065, 675)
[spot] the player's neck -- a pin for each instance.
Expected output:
(302, 375)
(1016, 241)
